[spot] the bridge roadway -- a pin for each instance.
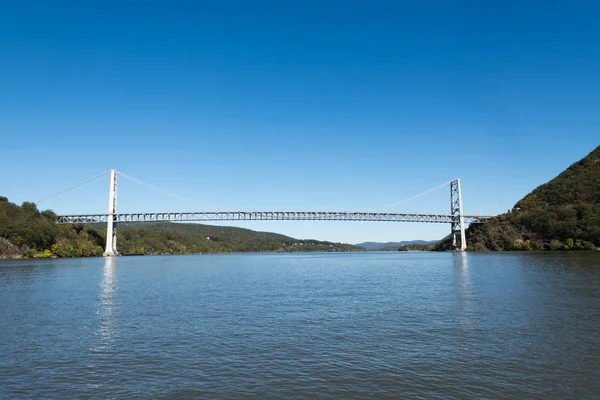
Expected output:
(267, 216)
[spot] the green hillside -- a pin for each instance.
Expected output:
(27, 232)
(177, 238)
(563, 214)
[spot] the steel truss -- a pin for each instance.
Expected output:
(271, 216)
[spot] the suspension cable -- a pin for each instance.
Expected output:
(72, 187)
(164, 191)
(417, 196)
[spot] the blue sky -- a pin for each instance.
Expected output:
(313, 105)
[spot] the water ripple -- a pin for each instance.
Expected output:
(328, 326)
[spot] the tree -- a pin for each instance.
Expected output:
(569, 244)
(29, 207)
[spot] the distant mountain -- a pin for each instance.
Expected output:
(392, 246)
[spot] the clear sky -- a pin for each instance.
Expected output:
(305, 105)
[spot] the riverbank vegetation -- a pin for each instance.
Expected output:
(27, 232)
(417, 247)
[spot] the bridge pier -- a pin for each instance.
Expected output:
(457, 217)
(111, 228)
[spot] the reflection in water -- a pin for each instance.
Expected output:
(107, 306)
(464, 289)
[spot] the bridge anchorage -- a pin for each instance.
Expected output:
(456, 218)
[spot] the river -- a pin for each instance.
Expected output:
(319, 325)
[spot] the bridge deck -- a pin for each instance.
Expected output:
(267, 216)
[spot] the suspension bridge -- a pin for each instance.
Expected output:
(457, 220)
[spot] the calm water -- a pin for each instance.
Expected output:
(373, 325)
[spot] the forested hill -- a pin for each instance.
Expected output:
(176, 238)
(27, 232)
(561, 214)
(393, 246)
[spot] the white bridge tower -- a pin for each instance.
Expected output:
(458, 219)
(111, 228)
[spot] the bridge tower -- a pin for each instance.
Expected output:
(111, 228)
(458, 220)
